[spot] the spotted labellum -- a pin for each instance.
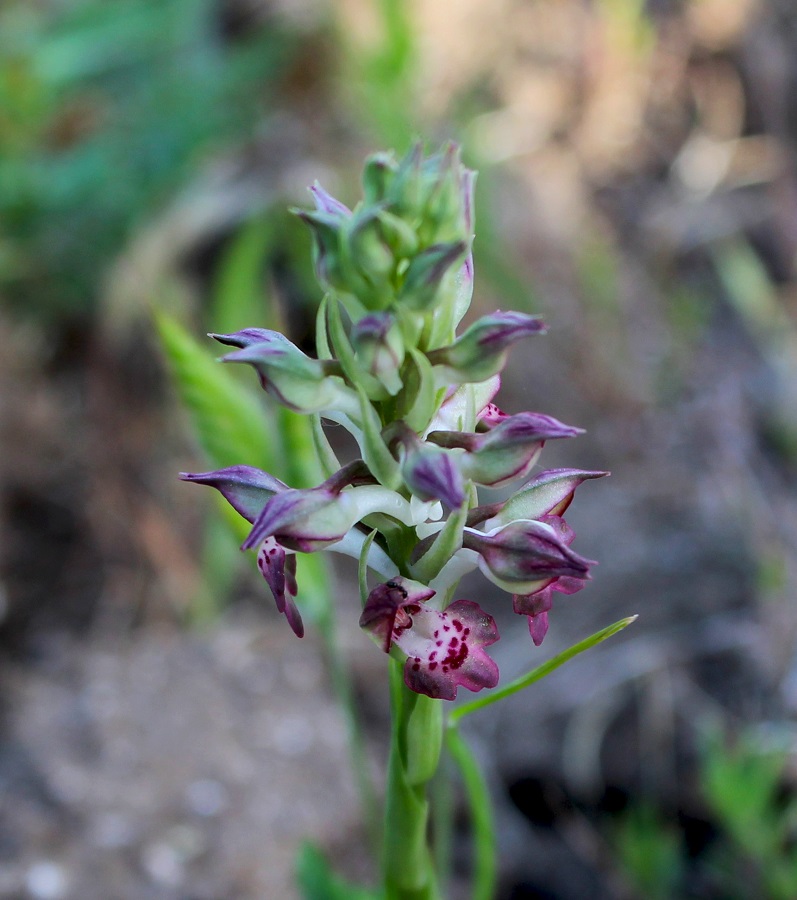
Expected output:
(417, 394)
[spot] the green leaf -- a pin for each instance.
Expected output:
(541, 671)
(485, 855)
(228, 420)
(317, 881)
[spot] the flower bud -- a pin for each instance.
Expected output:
(432, 474)
(245, 488)
(482, 350)
(303, 520)
(537, 605)
(310, 520)
(379, 346)
(506, 452)
(425, 280)
(286, 373)
(406, 193)
(548, 493)
(378, 175)
(326, 203)
(448, 196)
(332, 265)
(398, 235)
(524, 556)
(369, 250)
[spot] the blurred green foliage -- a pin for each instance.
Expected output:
(105, 111)
(744, 787)
(754, 815)
(649, 851)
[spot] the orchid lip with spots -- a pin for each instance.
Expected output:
(444, 650)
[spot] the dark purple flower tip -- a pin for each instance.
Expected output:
(501, 329)
(279, 570)
(245, 488)
(528, 426)
(248, 336)
(325, 202)
(445, 650)
(538, 628)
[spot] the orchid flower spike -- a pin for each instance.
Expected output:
(419, 400)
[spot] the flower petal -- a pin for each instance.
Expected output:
(548, 493)
(245, 488)
(445, 649)
(279, 570)
(524, 556)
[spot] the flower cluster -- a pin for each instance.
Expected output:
(418, 399)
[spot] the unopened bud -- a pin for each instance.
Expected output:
(426, 278)
(290, 376)
(379, 345)
(482, 350)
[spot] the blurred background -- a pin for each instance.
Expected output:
(162, 734)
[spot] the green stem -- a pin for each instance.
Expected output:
(414, 753)
(442, 800)
(485, 862)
